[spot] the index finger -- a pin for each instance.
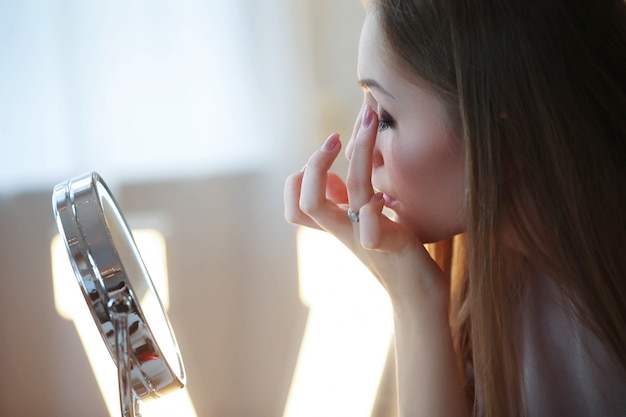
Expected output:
(359, 178)
(355, 131)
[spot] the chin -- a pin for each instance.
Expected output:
(424, 234)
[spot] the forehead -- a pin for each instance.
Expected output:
(370, 48)
(375, 61)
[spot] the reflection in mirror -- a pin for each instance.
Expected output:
(109, 267)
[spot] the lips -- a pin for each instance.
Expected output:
(389, 201)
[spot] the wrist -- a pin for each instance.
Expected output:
(425, 313)
(421, 299)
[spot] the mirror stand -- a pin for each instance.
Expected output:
(120, 305)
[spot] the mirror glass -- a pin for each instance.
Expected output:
(107, 264)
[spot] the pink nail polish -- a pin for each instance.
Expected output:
(367, 116)
(377, 197)
(330, 143)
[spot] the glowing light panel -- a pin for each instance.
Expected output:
(348, 332)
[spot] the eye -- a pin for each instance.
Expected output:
(385, 121)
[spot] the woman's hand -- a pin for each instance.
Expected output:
(319, 199)
(427, 375)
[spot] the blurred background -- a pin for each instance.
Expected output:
(193, 112)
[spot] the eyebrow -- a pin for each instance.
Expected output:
(368, 83)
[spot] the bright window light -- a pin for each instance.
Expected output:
(349, 328)
(70, 304)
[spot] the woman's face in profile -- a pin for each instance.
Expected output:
(418, 160)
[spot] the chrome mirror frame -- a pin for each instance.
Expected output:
(118, 291)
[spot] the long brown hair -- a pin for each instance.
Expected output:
(540, 89)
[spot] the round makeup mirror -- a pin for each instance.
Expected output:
(118, 290)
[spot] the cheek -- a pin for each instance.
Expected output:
(429, 181)
(433, 165)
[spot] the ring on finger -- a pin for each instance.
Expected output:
(353, 215)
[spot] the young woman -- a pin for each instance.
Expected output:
(494, 129)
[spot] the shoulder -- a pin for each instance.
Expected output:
(566, 369)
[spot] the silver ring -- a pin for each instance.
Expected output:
(353, 215)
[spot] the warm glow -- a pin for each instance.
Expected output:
(348, 332)
(71, 305)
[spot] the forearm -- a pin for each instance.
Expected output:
(428, 379)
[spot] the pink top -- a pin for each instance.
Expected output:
(567, 372)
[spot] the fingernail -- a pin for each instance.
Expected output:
(367, 116)
(330, 143)
(303, 168)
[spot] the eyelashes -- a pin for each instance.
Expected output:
(385, 121)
